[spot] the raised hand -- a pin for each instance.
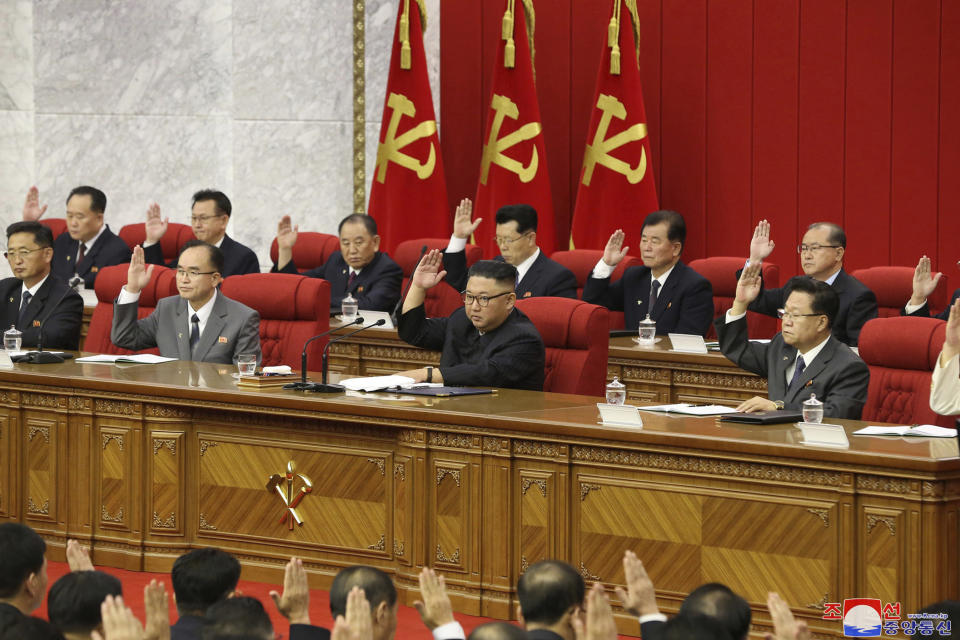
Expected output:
(78, 556)
(640, 598)
(138, 274)
(119, 623)
(31, 206)
(357, 624)
(748, 288)
(463, 226)
(157, 607)
(599, 623)
(294, 602)
(428, 273)
(614, 252)
(761, 245)
(951, 345)
(924, 282)
(156, 225)
(286, 233)
(435, 609)
(785, 626)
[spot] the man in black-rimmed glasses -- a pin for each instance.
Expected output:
(487, 343)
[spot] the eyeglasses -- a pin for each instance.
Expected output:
(204, 219)
(21, 253)
(813, 248)
(346, 245)
(483, 301)
(783, 314)
(501, 241)
(193, 273)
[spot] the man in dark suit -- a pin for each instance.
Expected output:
(87, 245)
(551, 594)
(23, 573)
(804, 358)
(34, 299)
(487, 343)
(517, 238)
(675, 296)
(821, 256)
(209, 218)
(924, 282)
(358, 268)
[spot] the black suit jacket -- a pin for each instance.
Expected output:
(545, 277)
(837, 375)
(9, 616)
(924, 311)
(684, 303)
(376, 287)
(191, 628)
(108, 250)
(61, 330)
(238, 259)
(857, 305)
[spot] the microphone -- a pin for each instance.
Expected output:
(323, 387)
(40, 356)
(403, 294)
(303, 384)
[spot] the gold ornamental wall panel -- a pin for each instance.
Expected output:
(883, 533)
(452, 538)
(8, 463)
(41, 434)
(166, 460)
(117, 446)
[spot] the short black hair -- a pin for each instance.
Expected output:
(30, 627)
(837, 235)
(214, 253)
(98, 199)
(676, 226)
(42, 234)
(237, 618)
(220, 200)
(367, 221)
(21, 553)
(718, 602)
(523, 214)
(497, 270)
(825, 298)
(948, 608)
(376, 585)
(202, 577)
(547, 590)
(73, 603)
(695, 626)
(498, 631)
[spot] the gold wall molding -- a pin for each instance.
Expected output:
(442, 557)
(107, 437)
(381, 464)
(43, 509)
(541, 483)
(34, 430)
(359, 107)
(442, 472)
(169, 523)
(106, 517)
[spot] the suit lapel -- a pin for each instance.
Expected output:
(813, 369)
(778, 380)
(362, 280)
(182, 325)
(36, 303)
(665, 295)
(212, 332)
(532, 276)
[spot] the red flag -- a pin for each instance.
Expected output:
(616, 189)
(513, 168)
(408, 196)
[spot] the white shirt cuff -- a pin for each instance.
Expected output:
(449, 631)
(653, 617)
(456, 244)
(910, 308)
(733, 318)
(126, 297)
(147, 244)
(602, 270)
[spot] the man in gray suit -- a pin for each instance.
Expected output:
(200, 324)
(804, 358)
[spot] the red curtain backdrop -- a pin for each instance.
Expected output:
(841, 110)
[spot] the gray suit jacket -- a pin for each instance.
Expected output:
(231, 329)
(837, 375)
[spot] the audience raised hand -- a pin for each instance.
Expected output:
(357, 624)
(78, 556)
(435, 609)
(294, 602)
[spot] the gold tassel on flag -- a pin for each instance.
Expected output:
(506, 32)
(613, 39)
(405, 36)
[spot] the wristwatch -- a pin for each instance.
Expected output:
(430, 379)
(779, 403)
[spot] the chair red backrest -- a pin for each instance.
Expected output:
(576, 340)
(292, 309)
(163, 283)
(407, 253)
(721, 271)
(312, 250)
(57, 225)
(901, 353)
(893, 287)
(441, 300)
(582, 262)
(176, 236)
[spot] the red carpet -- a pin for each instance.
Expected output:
(408, 620)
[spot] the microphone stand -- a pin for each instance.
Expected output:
(323, 387)
(303, 384)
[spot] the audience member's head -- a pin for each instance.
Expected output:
(210, 215)
(237, 618)
(695, 626)
(516, 232)
(359, 241)
(498, 631)
(199, 271)
(550, 593)
(23, 567)
(718, 602)
(85, 207)
(29, 251)
(30, 628)
(661, 241)
(809, 312)
(490, 293)
(73, 604)
(379, 591)
(948, 608)
(203, 577)
(821, 250)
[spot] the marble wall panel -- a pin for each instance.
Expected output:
(293, 60)
(16, 162)
(16, 54)
(169, 57)
(302, 169)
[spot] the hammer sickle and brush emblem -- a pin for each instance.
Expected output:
(493, 151)
(283, 486)
(390, 149)
(598, 152)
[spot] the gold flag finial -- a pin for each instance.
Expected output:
(613, 39)
(506, 33)
(405, 36)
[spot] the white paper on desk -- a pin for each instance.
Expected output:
(378, 383)
(688, 409)
(929, 430)
(139, 358)
(687, 343)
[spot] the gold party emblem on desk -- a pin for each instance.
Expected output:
(286, 493)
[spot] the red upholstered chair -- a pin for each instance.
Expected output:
(176, 236)
(576, 339)
(901, 353)
(312, 250)
(163, 283)
(582, 262)
(57, 225)
(893, 287)
(721, 271)
(292, 309)
(407, 253)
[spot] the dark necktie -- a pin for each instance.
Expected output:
(797, 371)
(351, 280)
(83, 252)
(23, 308)
(654, 290)
(194, 331)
